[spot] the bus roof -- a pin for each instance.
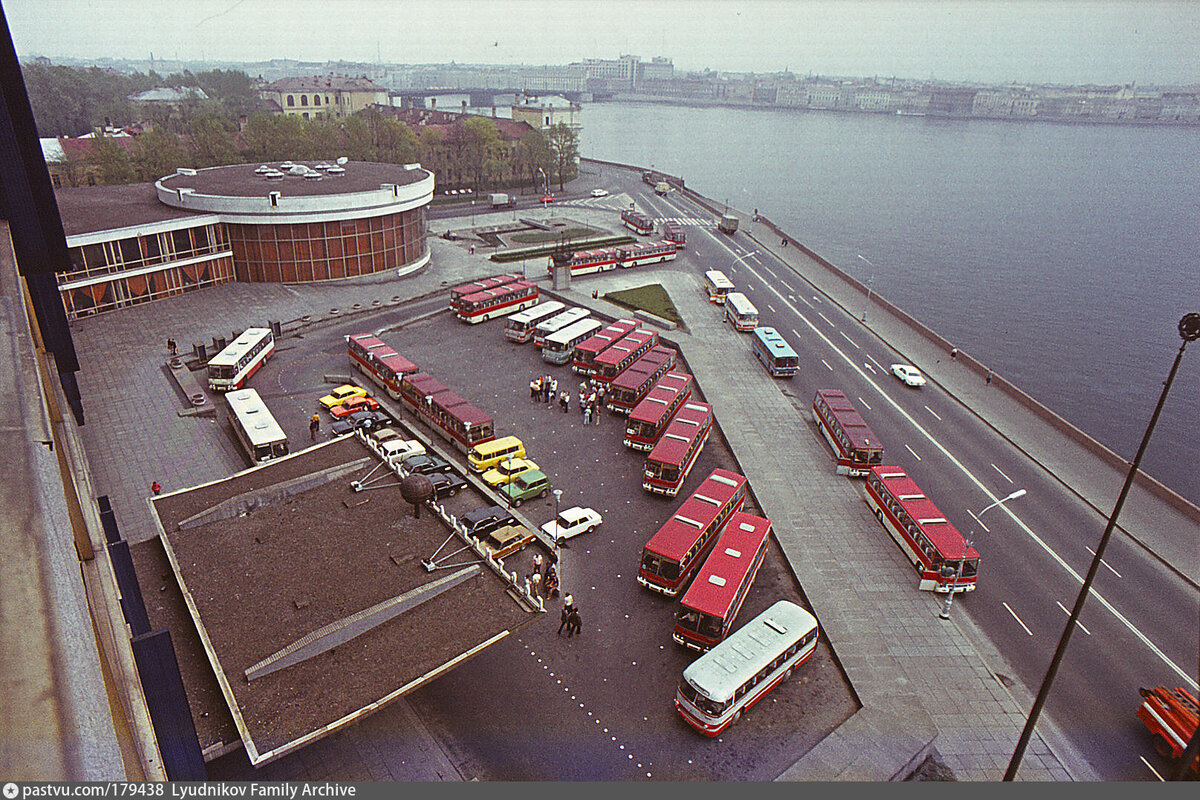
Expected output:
(238, 347)
(678, 533)
(254, 417)
(937, 529)
(720, 578)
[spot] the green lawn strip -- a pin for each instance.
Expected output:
(651, 298)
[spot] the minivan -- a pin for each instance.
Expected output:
(486, 455)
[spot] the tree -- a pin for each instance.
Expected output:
(564, 145)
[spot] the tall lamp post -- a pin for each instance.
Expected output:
(1189, 331)
(957, 574)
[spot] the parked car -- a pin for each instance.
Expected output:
(352, 404)
(507, 540)
(909, 374)
(599, 193)
(424, 463)
(504, 472)
(359, 420)
(341, 394)
(479, 522)
(572, 522)
(525, 486)
(446, 484)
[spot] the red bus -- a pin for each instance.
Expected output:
(650, 417)
(491, 282)
(379, 362)
(681, 544)
(616, 359)
(584, 361)
(673, 232)
(452, 417)
(627, 389)
(635, 255)
(588, 262)
(498, 301)
(711, 604)
(671, 460)
(856, 448)
(927, 538)
(637, 222)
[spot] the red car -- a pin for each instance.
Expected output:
(549, 198)
(353, 404)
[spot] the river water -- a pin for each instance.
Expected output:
(1063, 256)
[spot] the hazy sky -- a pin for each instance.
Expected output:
(1065, 41)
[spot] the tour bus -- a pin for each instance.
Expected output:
(616, 359)
(944, 560)
(856, 448)
(519, 327)
(559, 347)
(673, 232)
(254, 426)
(241, 358)
(671, 460)
(562, 319)
(651, 417)
(627, 389)
(447, 414)
(584, 361)
(636, 255)
(717, 286)
(720, 686)
(497, 302)
(460, 292)
(379, 362)
(684, 540)
(711, 604)
(740, 312)
(637, 222)
(776, 356)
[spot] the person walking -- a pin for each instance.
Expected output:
(314, 425)
(574, 622)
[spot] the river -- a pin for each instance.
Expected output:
(1063, 256)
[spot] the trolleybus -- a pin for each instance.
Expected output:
(740, 312)
(856, 448)
(627, 389)
(777, 357)
(616, 359)
(255, 428)
(450, 416)
(671, 460)
(944, 560)
(720, 686)
(519, 327)
(650, 417)
(673, 232)
(497, 301)
(684, 540)
(637, 222)
(584, 361)
(379, 362)
(717, 286)
(241, 358)
(562, 319)
(711, 604)
(560, 346)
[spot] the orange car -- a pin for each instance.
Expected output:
(352, 404)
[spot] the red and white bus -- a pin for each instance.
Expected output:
(519, 326)
(497, 301)
(651, 417)
(616, 359)
(472, 287)
(241, 358)
(589, 262)
(939, 552)
(379, 362)
(627, 389)
(856, 448)
(561, 320)
(584, 360)
(720, 686)
(450, 416)
(673, 232)
(637, 222)
(636, 255)
(671, 460)
(711, 604)
(684, 540)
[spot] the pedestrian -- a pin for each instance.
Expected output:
(574, 622)
(988, 378)
(954, 352)
(587, 415)
(155, 487)
(171, 348)
(314, 425)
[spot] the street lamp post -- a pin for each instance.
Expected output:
(967, 545)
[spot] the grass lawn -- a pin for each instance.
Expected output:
(651, 298)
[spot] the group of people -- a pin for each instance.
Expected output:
(544, 389)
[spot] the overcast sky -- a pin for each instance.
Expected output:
(1064, 41)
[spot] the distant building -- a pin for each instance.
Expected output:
(323, 96)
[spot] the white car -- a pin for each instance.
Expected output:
(909, 374)
(572, 522)
(599, 193)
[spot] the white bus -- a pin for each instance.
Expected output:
(717, 688)
(560, 347)
(256, 429)
(519, 326)
(557, 323)
(717, 285)
(241, 358)
(740, 312)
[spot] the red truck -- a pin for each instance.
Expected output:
(1171, 715)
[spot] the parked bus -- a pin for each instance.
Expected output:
(671, 460)
(254, 426)
(717, 286)
(637, 255)
(497, 301)
(458, 293)
(720, 686)
(379, 362)
(673, 232)
(651, 417)
(627, 389)
(740, 312)
(241, 358)
(559, 347)
(519, 327)
(637, 222)
(711, 604)
(616, 359)
(856, 448)
(779, 359)
(562, 319)
(941, 555)
(684, 540)
(450, 416)
(584, 362)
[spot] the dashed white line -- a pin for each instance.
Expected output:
(1077, 622)
(931, 411)
(1018, 619)
(864, 402)
(1002, 475)
(914, 452)
(822, 316)
(826, 363)
(1102, 561)
(851, 341)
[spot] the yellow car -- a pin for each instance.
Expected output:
(341, 394)
(503, 473)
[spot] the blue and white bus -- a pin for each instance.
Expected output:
(775, 354)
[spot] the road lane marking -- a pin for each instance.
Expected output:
(1102, 561)
(978, 521)
(914, 452)
(851, 341)
(1068, 613)
(1152, 769)
(822, 316)
(826, 363)
(864, 402)
(1018, 619)
(931, 411)
(1002, 475)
